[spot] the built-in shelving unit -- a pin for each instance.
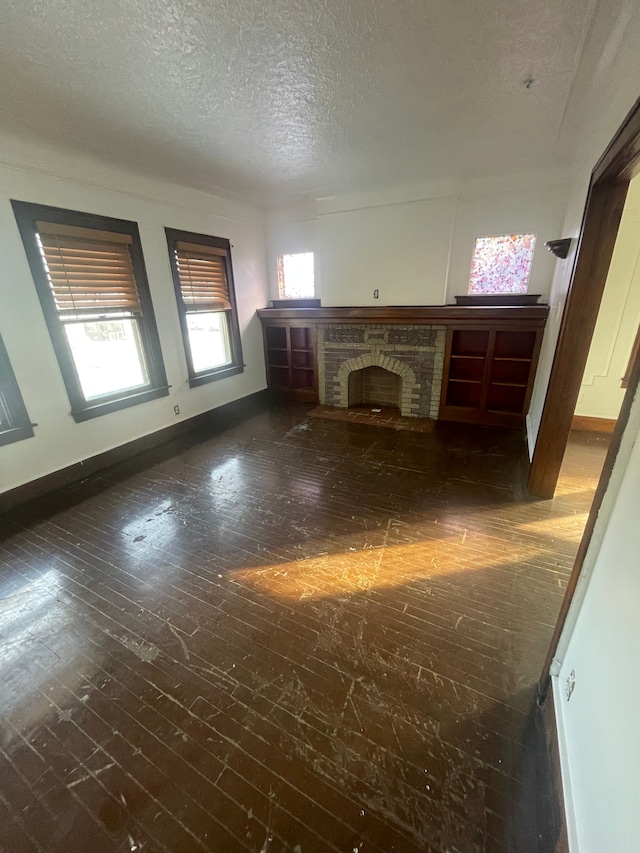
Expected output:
(489, 366)
(489, 374)
(290, 353)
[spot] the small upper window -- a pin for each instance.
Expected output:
(203, 281)
(90, 277)
(502, 264)
(14, 420)
(296, 276)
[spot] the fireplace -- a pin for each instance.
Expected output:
(395, 366)
(375, 386)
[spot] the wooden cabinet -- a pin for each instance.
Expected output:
(290, 355)
(488, 375)
(490, 359)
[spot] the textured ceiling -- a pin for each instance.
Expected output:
(272, 98)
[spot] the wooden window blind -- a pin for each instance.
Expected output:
(202, 272)
(90, 271)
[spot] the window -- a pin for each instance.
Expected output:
(90, 277)
(502, 264)
(203, 280)
(15, 423)
(296, 276)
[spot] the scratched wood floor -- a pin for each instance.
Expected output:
(296, 635)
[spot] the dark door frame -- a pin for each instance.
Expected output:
(605, 202)
(609, 183)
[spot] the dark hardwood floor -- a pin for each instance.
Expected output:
(299, 634)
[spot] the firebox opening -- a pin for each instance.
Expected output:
(375, 386)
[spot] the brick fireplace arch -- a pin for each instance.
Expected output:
(410, 389)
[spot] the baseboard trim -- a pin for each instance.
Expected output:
(214, 420)
(554, 750)
(583, 423)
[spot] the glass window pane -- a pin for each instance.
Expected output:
(108, 356)
(296, 276)
(502, 264)
(208, 340)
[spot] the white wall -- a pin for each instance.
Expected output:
(291, 231)
(36, 174)
(605, 89)
(489, 208)
(598, 725)
(601, 394)
(402, 250)
(414, 245)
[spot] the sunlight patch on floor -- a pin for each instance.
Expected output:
(353, 571)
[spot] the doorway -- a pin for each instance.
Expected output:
(600, 224)
(610, 184)
(611, 354)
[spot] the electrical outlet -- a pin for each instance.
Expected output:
(176, 410)
(376, 293)
(570, 684)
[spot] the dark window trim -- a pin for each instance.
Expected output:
(10, 436)
(95, 411)
(27, 215)
(21, 426)
(236, 366)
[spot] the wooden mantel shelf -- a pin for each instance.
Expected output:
(443, 315)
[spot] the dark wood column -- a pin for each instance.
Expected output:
(599, 231)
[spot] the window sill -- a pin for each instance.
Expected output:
(214, 375)
(9, 436)
(498, 299)
(96, 410)
(296, 302)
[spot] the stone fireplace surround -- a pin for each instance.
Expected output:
(413, 352)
